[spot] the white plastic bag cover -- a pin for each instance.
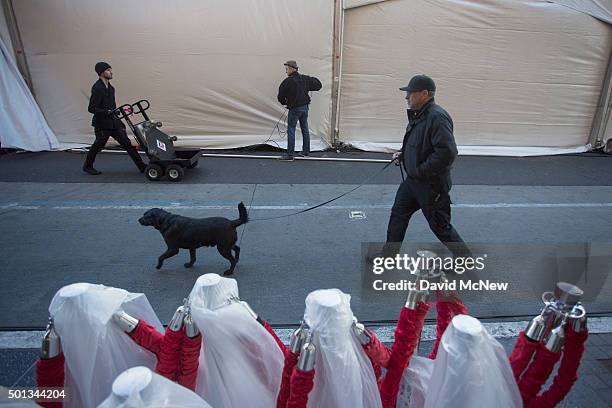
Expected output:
(240, 363)
(470, 370)
(344, 376)
(139, 387)
(414, 385)
(95, 348)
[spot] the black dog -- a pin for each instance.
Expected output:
(192, 233)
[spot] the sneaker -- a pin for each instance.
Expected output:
(91, 170)
(303, 154)
(285, 157)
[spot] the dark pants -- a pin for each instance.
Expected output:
(121, 137)
(413, 195)
(300, 114)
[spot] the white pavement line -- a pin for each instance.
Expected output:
(17, 206)
(261, 156)
(597, 325)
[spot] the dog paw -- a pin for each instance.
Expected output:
(158, 266)
(188, 265)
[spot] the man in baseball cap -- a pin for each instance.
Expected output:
(293, 92)
(427, 154)
(420, 83)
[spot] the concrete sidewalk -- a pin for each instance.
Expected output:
(593, 388)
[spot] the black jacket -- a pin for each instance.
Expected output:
(293, 91)
(101, 103)
(429, 148)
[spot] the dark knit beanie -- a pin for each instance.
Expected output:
(101, 67)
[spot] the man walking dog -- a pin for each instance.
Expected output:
(105, 123)
(293, 93)
(428, 152)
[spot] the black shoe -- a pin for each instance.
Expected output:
(91, 170)
(285, 157)
(142, 167)
(303, 154)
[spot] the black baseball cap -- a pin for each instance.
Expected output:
(420, 83)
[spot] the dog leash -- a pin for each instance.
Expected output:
(328, 201)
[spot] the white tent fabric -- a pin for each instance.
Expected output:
(95, 348)
(211, 69)
(601, 9)
(519, 77)
(512, 74)
(22, 125)
(5, 35)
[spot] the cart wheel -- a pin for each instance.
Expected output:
(154, 172)
(193, 165)
(175, 172)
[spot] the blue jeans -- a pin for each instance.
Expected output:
(299, 113)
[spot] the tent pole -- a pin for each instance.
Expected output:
(336, 69)
(22, 63)
(602, 113)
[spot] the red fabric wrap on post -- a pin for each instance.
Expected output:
(567, 373)
(291, 360)
(169, 355)
(50, 374)
(270, 330)
(407, 334)
(458, 307)
(521, 355)
(537, 373)
(190, 361)
(147, 337)
(302, 383)
(444, 315)
(378, 353)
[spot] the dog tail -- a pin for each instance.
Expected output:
(244, 216)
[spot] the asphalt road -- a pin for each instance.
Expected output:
(58, 226)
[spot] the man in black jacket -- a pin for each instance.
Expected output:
(428, 152)
(293, 93)
(105, 123)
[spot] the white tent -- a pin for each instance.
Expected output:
(22, 124)
(519, 77)
(210, 69)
